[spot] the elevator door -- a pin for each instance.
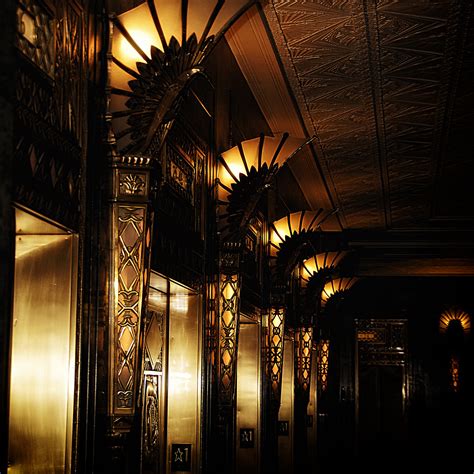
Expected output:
(43, 348)
(176, 340)
(248, 398)
(285, 414)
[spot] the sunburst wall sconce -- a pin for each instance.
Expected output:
(156, 50)
(337, 285)
(290, 236)
(451, 315)
(318, 264)
(244, 173)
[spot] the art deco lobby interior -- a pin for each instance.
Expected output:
(237, 236)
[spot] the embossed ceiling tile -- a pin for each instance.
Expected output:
(412, 31)
(398, 90)
(426, 8)
(417, 66)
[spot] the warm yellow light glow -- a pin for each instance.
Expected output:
(142, 38)
(321, 261)
(303, 343)
(235, 163)
(323, 364)
(295, 222)
(43, 351)
(336, 286)
(451, 315)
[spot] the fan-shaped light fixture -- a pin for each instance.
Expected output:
(245, 172)
(157, 48)
(296, 223)
(455, 314)
(318, 263)
(336, 285)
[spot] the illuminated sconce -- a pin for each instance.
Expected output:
(303, 346)
(228, 331)
(323, 364)
(276, 335)
(289, 238)
(451, 315)
(337, 285)
(244, 173)
(157, 48)
(319, 263)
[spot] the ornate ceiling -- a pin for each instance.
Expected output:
(383, 85)
(386, 87)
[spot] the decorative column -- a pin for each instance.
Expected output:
(130, 238)
(228, 329)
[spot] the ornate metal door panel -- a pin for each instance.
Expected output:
(381, 385)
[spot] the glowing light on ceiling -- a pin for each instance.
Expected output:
(337, 285)
(451, 315)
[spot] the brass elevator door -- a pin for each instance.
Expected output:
(43, 348)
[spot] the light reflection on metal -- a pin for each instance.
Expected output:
(336, 285)
(454, 373)
(131, 238)
(451, 315)
(323, 364)
(157, 49)
(318, 263)
(303, 346)
(244, 173)
(43, 348)
(276, 335)
(229, 295)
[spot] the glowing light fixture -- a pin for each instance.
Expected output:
(323, 364)
(245, 172)
(337, 285)
(451, 315)
(296, 223)
(157, 48)
(319, 263)
(303, 345)
(276, 336)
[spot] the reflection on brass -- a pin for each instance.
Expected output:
(43, 351)
(248, 398)
(285, 443)
(184, 371)
(454, 371)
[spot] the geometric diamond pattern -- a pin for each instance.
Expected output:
(303, 345)
(130, 226)
(228, 317)
(276, 336)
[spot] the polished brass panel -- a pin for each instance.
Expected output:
(285, 443)
(248, 396)
(43, 349)
(184, 371)
(312, 412)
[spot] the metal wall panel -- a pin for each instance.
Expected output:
(248, 399)
(43, 351)
(285, 415)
